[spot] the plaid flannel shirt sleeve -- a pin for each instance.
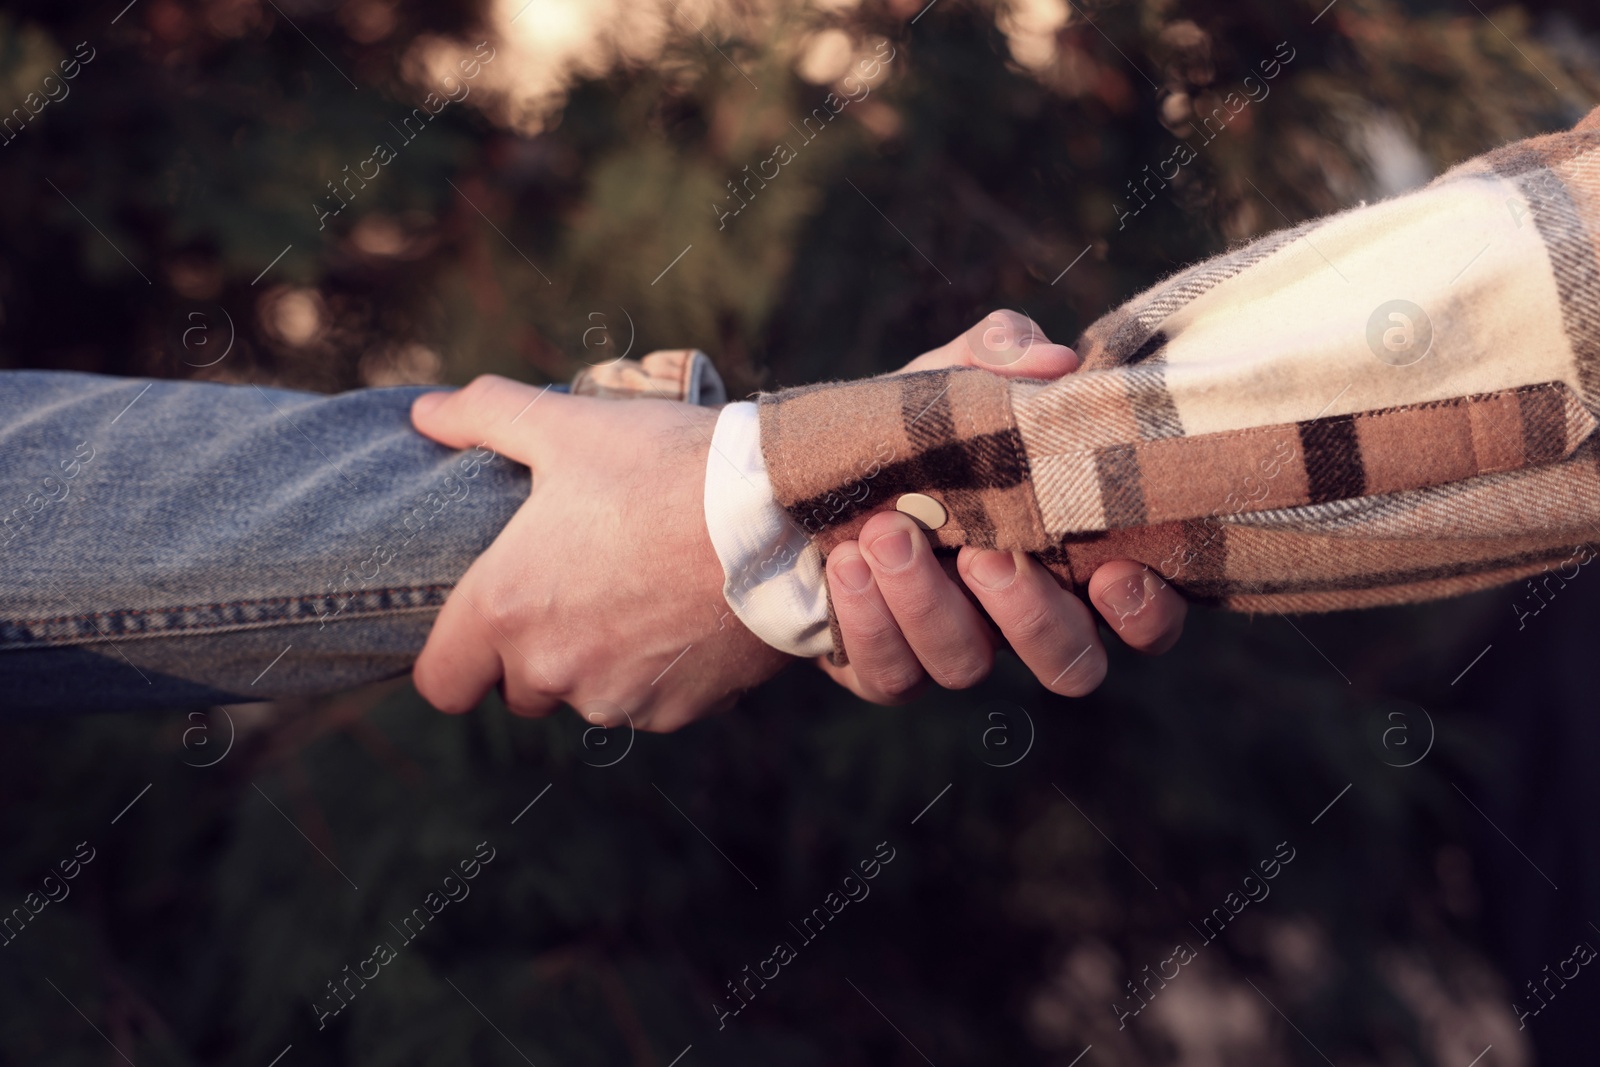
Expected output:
(1394, 403)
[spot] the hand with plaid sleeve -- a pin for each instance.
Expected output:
(1394, 403)
(902, 615)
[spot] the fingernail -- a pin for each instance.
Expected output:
(892, 550)
(424, 404)
(854, 573)
(992, 569)
(1126, 597)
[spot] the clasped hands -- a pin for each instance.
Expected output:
(604, 591)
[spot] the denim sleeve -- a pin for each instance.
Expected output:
(186, 543)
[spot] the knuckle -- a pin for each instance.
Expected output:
(501, 607)
(550, 680)
(865, 630)
(1031, 623)
(485, 383)
(474, 391)
(545, 672)
(478, 391)
(915, 602)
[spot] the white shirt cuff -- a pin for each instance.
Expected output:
(773, 574)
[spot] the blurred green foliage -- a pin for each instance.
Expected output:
(189, 154)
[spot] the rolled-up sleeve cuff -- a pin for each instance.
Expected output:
(773, 575)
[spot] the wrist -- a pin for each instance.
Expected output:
(773, 580)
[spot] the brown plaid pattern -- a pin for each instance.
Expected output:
(1236, 428)
(948, 434)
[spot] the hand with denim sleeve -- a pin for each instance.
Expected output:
(603, 591)
(902, 616)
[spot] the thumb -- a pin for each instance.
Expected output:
(1006, 343)
(484, 412)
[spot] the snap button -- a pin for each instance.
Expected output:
(928, 512)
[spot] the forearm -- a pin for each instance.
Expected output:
(1257, 427)
(178, 542)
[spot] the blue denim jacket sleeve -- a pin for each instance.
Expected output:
(185, 543)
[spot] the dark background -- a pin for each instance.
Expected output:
(139, 221)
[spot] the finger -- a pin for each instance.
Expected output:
(940, 624)
(459, 663)
(1051, 630)
(490, 410)
(1145, 611)
(846, 677)
(1004, 342)
(523, 695)
(883, 668)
